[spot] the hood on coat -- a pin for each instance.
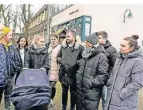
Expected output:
(108, 44)
(97, 50)
(77, 43)
(135, 54)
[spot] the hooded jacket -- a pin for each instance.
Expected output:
(126, 80)
(111, 54)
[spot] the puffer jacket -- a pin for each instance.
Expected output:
(111, 54)
(68, 59)
(9, 63)
(126, 80)
(54, 66)
(91, 78)
(37, 58)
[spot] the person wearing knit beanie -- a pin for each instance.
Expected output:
(4, 31)
(10, 64)
(5, 36)
(92, 39)
(91, 74)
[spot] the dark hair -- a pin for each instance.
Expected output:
(136, 37)
(132, 41)
(104, 34)
(73, 32)
(20, 39)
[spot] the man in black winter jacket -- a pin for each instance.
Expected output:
(111, 54)
(69, 54)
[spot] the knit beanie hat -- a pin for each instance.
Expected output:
(5, 30)
(93, 39)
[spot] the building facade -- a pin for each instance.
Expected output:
(112, 18)
(39, 23)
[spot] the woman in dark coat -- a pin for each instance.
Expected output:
(37, 58)
(22, 48)
(92, 75)
(37, 55)
(126, 79)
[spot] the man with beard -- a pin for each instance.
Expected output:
(69, 54)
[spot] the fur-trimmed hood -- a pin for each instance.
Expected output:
(76, 45)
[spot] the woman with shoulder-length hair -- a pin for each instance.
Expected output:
(22, 47)
(126, 79)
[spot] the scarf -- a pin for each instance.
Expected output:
(39, 49)
(87, 52)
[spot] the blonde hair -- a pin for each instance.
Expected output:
(36, 38)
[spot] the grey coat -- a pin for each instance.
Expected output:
(125, 81)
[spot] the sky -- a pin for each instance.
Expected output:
(35, 8)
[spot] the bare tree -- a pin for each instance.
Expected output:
(15, 19)
(19, 24)
(6, 14)
(26, 15)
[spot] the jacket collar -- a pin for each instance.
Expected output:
(76, 45)
(108, 44)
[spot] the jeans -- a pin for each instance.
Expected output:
(104, 96)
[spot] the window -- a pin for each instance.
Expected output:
(55, 9)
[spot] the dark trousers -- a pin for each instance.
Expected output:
(72, 94)
(1, 92)
(7, 93)
(43, 107)
(53, 86)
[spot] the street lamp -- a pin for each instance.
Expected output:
(128, 13)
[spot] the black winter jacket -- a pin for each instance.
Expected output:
(68, 60)
(25, 52)
(111, 54)
(35, 59)
(91, 77)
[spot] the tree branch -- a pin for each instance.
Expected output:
(7, 7)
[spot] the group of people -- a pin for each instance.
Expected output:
(91, 72)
